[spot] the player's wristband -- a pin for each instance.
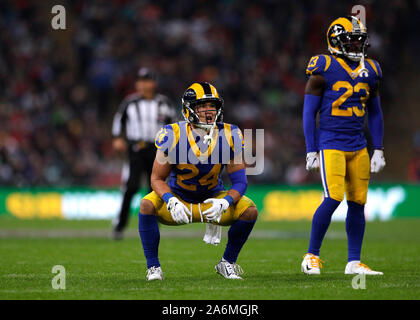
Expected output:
(229, 199)
(167, 196)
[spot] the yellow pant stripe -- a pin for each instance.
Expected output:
(323, 177)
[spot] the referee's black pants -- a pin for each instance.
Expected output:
(140, 159)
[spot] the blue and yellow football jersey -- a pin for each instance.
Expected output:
(197, 167)
(343, 105)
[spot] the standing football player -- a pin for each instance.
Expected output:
(193, 153)
(343, 88)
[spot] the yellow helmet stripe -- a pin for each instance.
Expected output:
(348, 26)
(357, 24)
(214, 91)
(361, 25)
(199, 90)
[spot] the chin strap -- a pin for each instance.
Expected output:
(208, 138)
(363, 72)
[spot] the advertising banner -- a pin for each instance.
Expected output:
(274, 202)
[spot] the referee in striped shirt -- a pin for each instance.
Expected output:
(138, 119)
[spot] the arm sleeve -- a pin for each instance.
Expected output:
(375, 122)
(239, 181)
(311, 106)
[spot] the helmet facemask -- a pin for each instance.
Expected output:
(353, 45)
(192, 116)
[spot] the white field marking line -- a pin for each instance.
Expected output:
(99, 233)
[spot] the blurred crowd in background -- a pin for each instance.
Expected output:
(59, 89)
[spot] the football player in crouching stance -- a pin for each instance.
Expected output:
(343, 88)
(193, 153)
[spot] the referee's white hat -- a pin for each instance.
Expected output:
(146, 73)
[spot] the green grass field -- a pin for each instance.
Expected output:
(100, 268)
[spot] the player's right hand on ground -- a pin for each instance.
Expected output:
(179, 211)
(312, 161)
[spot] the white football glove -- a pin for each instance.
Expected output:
(377, 163)
(214, 213)
(179, 211)
(312, 161)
